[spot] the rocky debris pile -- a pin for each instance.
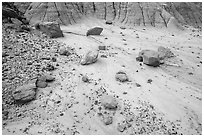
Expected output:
(94, 31)
(26, 56)
(121, 76)
(25, 93)
(89, 58)
(154, 58)
(52, 29)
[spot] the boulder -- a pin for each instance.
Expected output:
(52, 29)
(25, 93)
(121, 76)
(150, 57)
(89, 58)
(164, 53)
(94, 31)
(109, 102)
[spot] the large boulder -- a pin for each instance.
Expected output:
(52, 29)
(25, 93)
(150, 57)
(164, 53)
(89, 58)
(94, 31)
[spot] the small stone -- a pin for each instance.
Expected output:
(121, 127)
(54, 59)
(121, 76)
(102, 47)
(94, 31)
(109, 102)
(140, 59)
(138, 85)
(64, 51)
(149, 81)
(122, 27)
(108, 120)
(109, 22)
(85, 79)
(90, 58)
(41, 84)
(124, 92)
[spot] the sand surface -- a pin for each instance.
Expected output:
(173, 98)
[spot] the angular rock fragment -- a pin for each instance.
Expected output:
(25, 93)
(109, 102)
(94, 31)
(150, 57)
(52, 29)
(121, 76)
(89, 58)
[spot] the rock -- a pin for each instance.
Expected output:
(64, 51)
(109, 22)
(49, 78)
(107, 120)
(89, 58)
(50, 67)
(150, 57)
(41, 84)
(102, 47)
(140, 59)
(121, 76)
(94, 31)
(85, 79)
(165, 53)
(25, 93)
(52, 29)
(149, 81)
(109, 102)
(5, 115)
(122, 27)
(121, 127)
